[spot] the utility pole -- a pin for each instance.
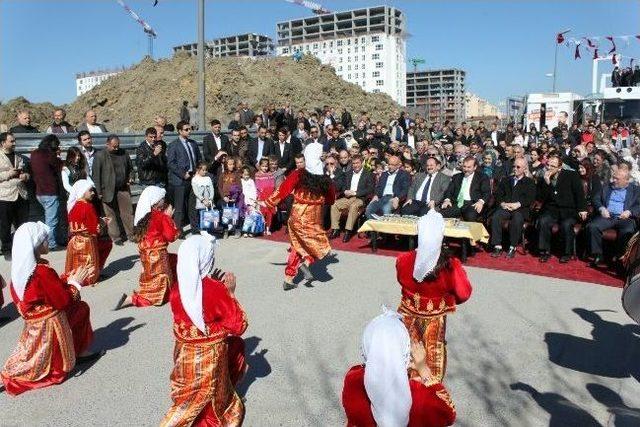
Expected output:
(201, 54)
(555, 57)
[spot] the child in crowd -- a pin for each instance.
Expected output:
(265, 185)
(252, 215)
(203, 188)
(230, 190)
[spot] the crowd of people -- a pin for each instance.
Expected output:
(571, 180)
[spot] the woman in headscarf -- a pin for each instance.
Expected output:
(384, 391)
(433, 284)
(57, 331)
(84, 247)
(311, 189)
(209, 353)
(154, 230)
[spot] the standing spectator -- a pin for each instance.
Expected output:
(60, 125)
(391, 190)
(235, 123)
(427, 189)
(563, 197)
(259, 148)
(467, 194)
(183, 156)
(356, 187)
(286, 148)
(24, 123)
(346, 119)
(74, 169)
(618, 208)
(236, 149)
(246, 115)
(112, 175)
(151, 160)
(46, 168)
(184, 112)
(13, 190)
(91, 123)
(194, 116)
(215, 145)
(514, 197)
(161, 120)
(87, 150)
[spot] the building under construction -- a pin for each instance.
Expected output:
(250, 44)
(438, 94)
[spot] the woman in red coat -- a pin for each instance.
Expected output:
(57, 331)
(209, 353)
(85, 248)
(154, 230)
(382, 392)
(433, 284)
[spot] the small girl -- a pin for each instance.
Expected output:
(265, 185)
(203, 188)
(251, 210)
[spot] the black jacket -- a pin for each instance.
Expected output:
(524, 192)
(152, 169)
(252, 150)
(366, 185)
(480, 188)
(566, 198)
(285, 158)
(210, 150)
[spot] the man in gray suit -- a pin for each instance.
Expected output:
(91, 124)
(183, 156)
(427, 189)
(112, 174)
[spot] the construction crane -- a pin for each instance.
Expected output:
(315, 7)
(416, 62)
(150, 32)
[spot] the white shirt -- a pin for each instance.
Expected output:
(424, 184)
(494, 137)
(94, 129)
(260, 149)
(218, 141)
(388, 189)
(355, 179)
(411, 141)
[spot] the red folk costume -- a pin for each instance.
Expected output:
(84, 247)
(309, 240)
(209, 353)
(57, 325)
(158, 265)
(427, 300)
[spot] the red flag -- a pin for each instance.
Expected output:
(577, 54)
(595, 54)
(613, 44)
(560, 38)
(590, 43)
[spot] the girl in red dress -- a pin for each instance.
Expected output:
(209, 353)
(383, 392)
(57, 331)
(433, 284)
(84, 247)
(154, 229)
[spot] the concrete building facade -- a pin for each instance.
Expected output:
(366, 46)
(90, 79)
(478, 107)
(440, 92)
(250, 44)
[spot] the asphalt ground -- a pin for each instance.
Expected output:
(523, 351)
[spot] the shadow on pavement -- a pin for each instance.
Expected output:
(115, 334)
(623, 416)
(259, 366)
(121, 264)
(563, 412)
(613, 350)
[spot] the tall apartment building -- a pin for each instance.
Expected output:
(250, 44)
(366, 47)
(440, 92)
(90, 79)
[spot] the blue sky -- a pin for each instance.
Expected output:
(506, 47)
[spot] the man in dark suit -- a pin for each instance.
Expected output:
(564, 202)
(427, 190)
(183, 156)
(356, 187)
(391, 190)
(618, 207)
(112, 175)
(151, 160)
(467, 194)
(514, 197)
(332, 141)
(285, 148)
(259, 147)
(215, 145)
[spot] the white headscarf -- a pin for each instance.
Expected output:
(430, 235)
(78, 189)
(149, 197)
(312, 159)
(386, 351)
(195, 259)
(28, 237)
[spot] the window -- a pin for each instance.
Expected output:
(376, 91)
(324, 45)
(315, 46)
(379, 65)
(362, 40)
(348, 42)
(375, 56)
(339, 43)
(339, 51)
(363, 66)
(355, 49)
(340, 68)
(379, 47)
(348, 59)
(349, 76)
(375, 39)
(331, 43)
(356, 66)
(348, 67)
(375, 74)
(379, 82)
(363, 57)
(285, 51)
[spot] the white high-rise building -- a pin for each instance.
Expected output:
(366, 47)
(87, 81)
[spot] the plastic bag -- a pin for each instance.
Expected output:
(209, 219)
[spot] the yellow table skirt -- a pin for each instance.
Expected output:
(474, 231)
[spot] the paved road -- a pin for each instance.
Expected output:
(524, 351)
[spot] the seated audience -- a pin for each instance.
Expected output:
(427, 190)
(467, 194)
(391, 189)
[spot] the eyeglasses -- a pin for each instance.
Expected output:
(186, 129)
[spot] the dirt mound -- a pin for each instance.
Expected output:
(41, 113)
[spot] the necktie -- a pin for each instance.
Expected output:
(425, 192)
(192, 166)
(463, 189)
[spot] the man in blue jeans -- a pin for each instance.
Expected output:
(46, 167)
(391, 190)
